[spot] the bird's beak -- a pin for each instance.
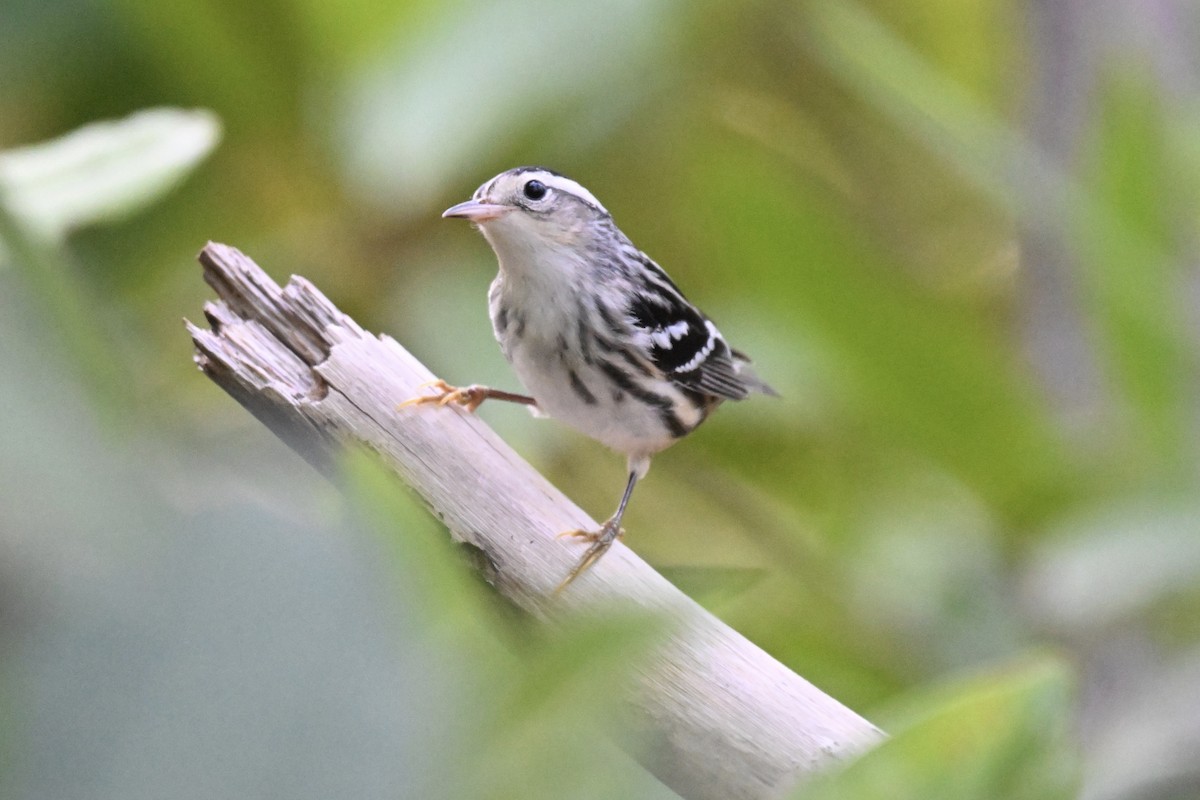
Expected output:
(476, 211)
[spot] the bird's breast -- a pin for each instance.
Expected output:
(547, 331)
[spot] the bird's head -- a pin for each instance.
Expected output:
(528, 212)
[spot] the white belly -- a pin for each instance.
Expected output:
(541, 341)
(584, 398)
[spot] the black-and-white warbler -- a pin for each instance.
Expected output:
(597, 333)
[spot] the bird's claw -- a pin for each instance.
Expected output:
(469, 397)
(601, 541)
(590, 536)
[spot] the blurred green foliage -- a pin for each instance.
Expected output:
(997, 735)
(958, 236)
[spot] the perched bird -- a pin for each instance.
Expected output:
(597, 333)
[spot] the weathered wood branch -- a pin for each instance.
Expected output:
(726, 720)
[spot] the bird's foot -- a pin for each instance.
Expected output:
(601, 541)
(590, 536)
(469, 397)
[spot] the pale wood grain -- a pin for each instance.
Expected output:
(725, 720)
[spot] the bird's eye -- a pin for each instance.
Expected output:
(535, 190)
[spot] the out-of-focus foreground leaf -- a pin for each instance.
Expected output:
(542, 702)
(192, 639)
(996, 736)
(102, 172)
(105, 171)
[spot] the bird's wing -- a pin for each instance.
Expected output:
(682, 343)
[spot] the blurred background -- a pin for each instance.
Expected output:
(958, 237)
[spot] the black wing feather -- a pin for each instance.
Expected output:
(684, 345)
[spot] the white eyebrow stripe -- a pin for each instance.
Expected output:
(567, 185)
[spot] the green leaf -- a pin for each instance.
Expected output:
(105, 171)
(99, 173)
(995, 736)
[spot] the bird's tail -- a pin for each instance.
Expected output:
(748, 377)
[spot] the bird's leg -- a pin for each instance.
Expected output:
(469, 397)
(602, 539)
